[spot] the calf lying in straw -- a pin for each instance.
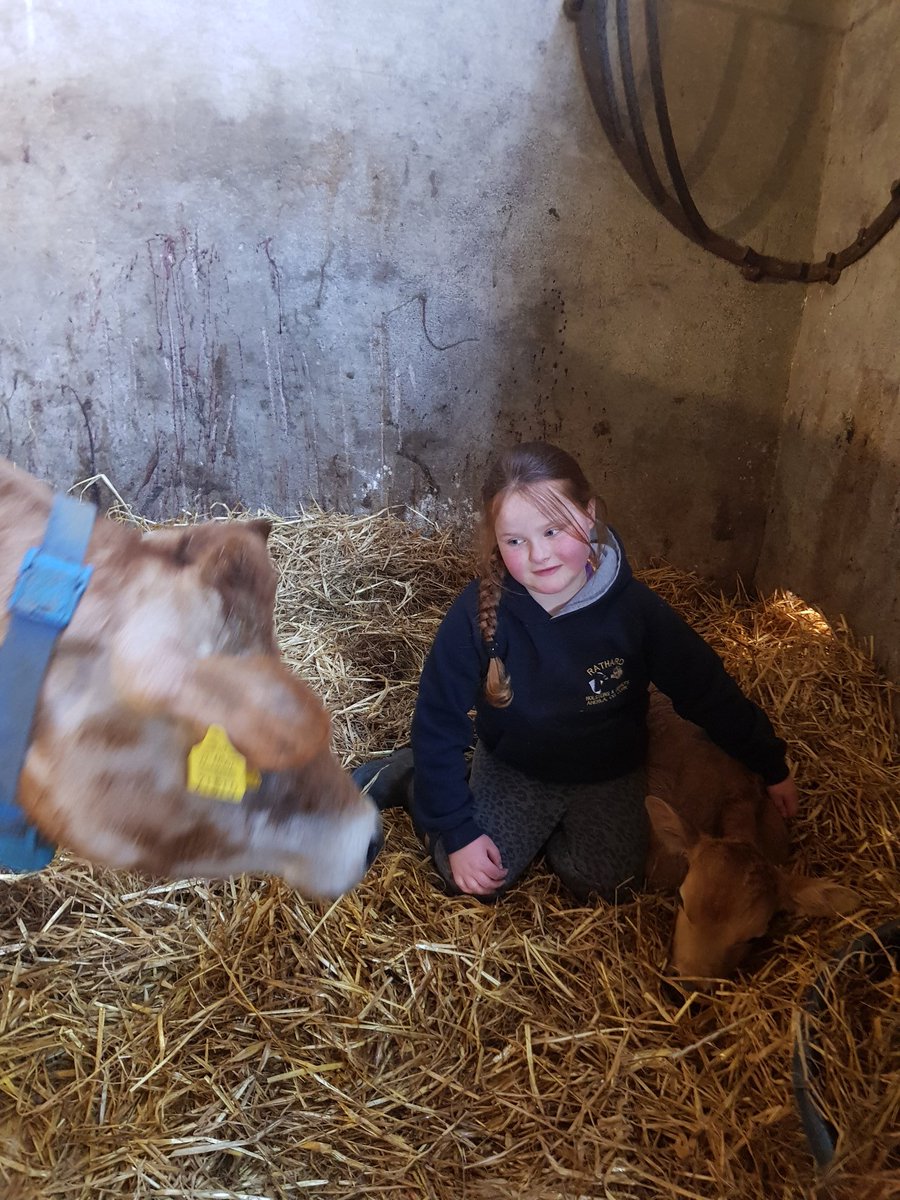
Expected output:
(719, 839)
(169, 737)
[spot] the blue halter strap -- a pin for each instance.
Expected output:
(50, 583)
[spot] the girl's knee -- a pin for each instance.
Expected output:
(619, 891)
(594, 877)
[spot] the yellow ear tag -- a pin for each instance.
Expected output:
(216, 769)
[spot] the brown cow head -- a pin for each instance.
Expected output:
(174, 636)
(728, 896)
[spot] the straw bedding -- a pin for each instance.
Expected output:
(233, 1040)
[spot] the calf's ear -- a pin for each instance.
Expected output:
(189, 543)
(269, 715)
(261, 526)
(674, 835)
(814, 897)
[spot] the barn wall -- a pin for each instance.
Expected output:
(265, 252)
(834, 530)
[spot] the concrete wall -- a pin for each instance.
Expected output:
(833, 534)
(258, 252)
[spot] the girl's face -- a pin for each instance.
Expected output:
(545, 555)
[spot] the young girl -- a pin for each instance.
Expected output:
(554, 647)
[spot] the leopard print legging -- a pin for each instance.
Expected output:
(594, 836)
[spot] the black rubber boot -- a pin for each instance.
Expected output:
(387, 780)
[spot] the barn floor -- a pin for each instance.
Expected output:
(231, 1040)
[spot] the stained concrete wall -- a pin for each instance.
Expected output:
(258, 253)
(833, 534)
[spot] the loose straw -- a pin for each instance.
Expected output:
(231, 1040)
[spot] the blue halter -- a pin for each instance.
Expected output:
(50, 583)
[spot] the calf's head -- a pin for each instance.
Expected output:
(728, 896)
(175, 635)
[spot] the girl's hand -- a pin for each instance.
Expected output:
(477, 868)
(785, 796)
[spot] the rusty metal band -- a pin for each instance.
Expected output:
(680, 209)
(632, 103)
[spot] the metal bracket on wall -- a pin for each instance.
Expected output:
(594, 19)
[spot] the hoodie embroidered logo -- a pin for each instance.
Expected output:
(606, 680)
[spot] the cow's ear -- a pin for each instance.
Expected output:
(268, 713)
(674, 835)
(814, 897)
(261, 526)
(239, 569)
(178, 544)
(191, 543)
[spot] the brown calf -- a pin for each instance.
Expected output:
(175, 635)
(719, 839)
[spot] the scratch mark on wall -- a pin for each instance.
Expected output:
(379, 351)
(496, 255)
(6, 403)
(187, 303)
(325, 263)
(113, 387)
(431, 342)
(229, 421)
(157, 308)
(173, 311)
(152, 464)
(392, 389)
(313, 405)
(314, 438)
(269, 379)
(179, 406)
(85, 406)
(306, 463)
(275, 382)
(423, 301)
(275, 276)
(395, 396)
(349, 456)
(416, 461)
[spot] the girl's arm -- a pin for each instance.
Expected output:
(442, 730)
(692, 675)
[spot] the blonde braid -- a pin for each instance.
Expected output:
(497, 686)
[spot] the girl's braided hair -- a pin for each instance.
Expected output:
(522, 469)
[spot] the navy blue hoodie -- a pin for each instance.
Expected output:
(579, 681)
